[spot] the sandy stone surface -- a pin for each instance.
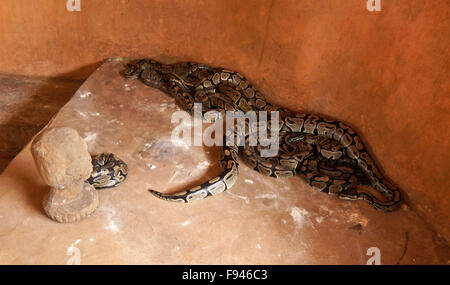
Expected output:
(61, 157)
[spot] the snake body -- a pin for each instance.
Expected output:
(108, 171)
(327, 153)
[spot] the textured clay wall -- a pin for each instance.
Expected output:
(386, 73)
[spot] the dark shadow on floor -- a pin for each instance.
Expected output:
(27, 104)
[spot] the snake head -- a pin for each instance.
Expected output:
(150, 72)
(156, 79)
(132, 72)
(134, 69)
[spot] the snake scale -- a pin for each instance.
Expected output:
(108, 171)
(328, 154)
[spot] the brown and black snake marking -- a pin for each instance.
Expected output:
(230, 166)
(108, 171)
(328, 154)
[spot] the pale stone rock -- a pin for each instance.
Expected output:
(62, 158)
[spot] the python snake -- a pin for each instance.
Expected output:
(327, 153)
(108, 171)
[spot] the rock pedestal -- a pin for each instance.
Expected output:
(64, 163)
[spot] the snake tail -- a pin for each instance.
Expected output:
(221, 183)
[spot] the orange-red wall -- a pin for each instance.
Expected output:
(386, 73)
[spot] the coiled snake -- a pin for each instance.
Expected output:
(108, 171)
(328, 154)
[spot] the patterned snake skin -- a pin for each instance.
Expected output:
(328, 154)
(108, 171)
